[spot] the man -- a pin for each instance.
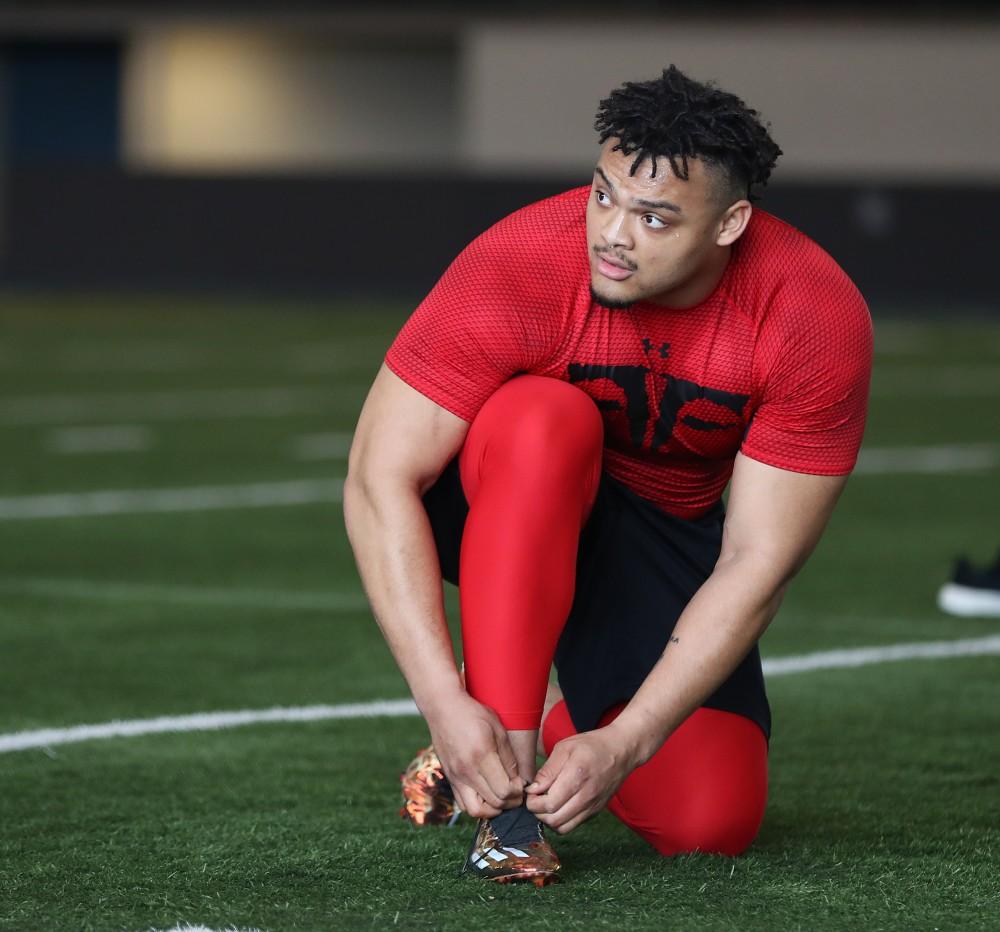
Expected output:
(553, 429)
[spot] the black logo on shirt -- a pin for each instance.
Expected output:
(676, 395)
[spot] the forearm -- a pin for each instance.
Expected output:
(719, 626)
(394, 548)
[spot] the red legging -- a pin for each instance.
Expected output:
(704, 790)
(530, 469)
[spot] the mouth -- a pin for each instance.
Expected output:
(613, 268)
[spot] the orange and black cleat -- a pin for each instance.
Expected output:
(427, 795)
(522, 855)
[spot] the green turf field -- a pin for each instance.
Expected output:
(885, 801)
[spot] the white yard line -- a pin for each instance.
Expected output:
(195, 498)
(194, 405)
(873, 461)
(213, 721)
(119, 438)
(238, 598)
(929, 459)
(889, 653)
(202, 721)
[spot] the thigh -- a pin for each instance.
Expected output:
(704, 790)
(638, 568)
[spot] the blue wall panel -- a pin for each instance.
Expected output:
(63, 102)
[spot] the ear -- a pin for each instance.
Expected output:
(734, 222)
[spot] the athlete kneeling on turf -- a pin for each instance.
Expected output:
(553, 430)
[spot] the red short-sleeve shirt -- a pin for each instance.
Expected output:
(775, 363)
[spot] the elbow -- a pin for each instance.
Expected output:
(372, 498)
(353, 502)
(769, 572)
(358, 497)
(358, 484)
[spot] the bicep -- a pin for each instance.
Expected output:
(776, 516)
(402, 436)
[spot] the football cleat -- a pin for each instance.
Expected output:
(427, 795)
(523, 854)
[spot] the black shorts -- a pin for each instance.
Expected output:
(637, 569)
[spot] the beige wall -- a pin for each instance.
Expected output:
(248, 101)
(889, 102)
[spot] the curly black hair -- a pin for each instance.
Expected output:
(677, 118)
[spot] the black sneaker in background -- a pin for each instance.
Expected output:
(972, 592)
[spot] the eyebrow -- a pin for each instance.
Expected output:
(640, 201)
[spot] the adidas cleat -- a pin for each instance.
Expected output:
(427, 795)
(522, 854)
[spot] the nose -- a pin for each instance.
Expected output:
(615, 231)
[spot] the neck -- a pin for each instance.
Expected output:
(697, 288)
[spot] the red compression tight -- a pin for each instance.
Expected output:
(530, 469)
(704, 790)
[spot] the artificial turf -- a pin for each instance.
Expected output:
(885, 792)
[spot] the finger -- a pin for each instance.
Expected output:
(565, 828)
(548, 773)
(488, 779)
(486, 794)
(493, 771)
(506, 752)
(481, 811)
(465, 800)
(535, 804)
(563, 789)
(468, 774)
(472, 803)
(543, 780)
(584, 804)
(570, 814)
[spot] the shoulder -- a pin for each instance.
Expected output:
(547, 224)
(786, 279)
(536, 254)
(500, 308)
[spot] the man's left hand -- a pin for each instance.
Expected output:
(578, 779)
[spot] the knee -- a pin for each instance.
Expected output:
(549, 424)
(719, 833)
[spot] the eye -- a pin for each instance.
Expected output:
(654, 222)
(602, 197)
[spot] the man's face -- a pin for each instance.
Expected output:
(655, 239)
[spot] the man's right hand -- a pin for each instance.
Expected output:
(476, 755)
(402, 443)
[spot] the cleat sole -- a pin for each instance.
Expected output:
(542, 879)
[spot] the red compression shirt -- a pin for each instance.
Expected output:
(775, 363)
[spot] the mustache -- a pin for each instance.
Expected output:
(621, 260)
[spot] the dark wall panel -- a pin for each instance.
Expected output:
(62, 101)
(103, 228)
